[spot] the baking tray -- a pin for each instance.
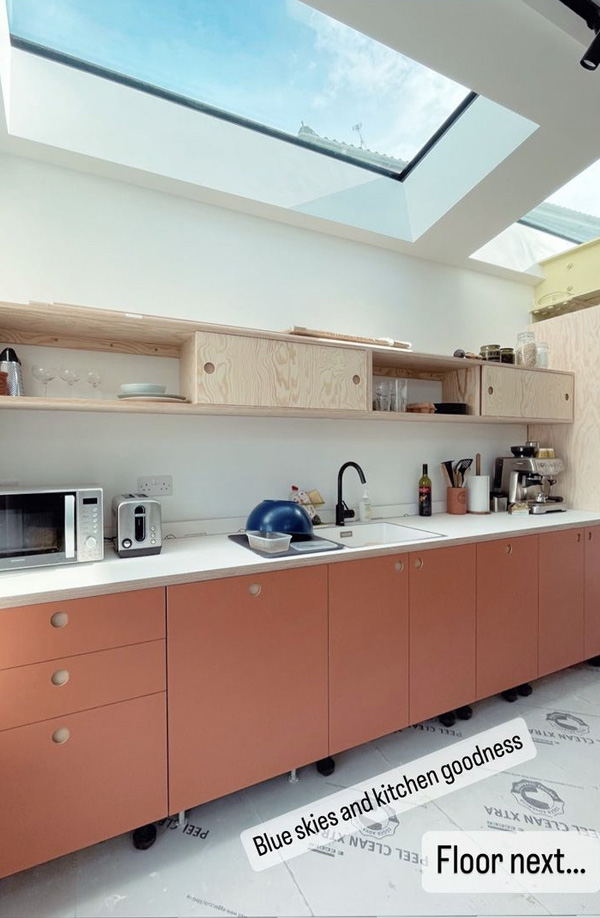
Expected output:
(316, 543)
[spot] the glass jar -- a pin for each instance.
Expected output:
(543, 354)
(507, 355)
(490, 352)
(526, 350)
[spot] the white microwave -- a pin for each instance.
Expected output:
(44, 526)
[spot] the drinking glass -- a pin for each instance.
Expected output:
(382, 395)
(70, 376)
(399, 394)
(94, 378)
(45, 375)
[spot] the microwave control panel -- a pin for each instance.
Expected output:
(90, 525)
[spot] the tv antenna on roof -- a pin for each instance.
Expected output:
(358, 129)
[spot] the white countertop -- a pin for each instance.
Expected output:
(185, 560)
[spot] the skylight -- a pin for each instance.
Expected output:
(572, 212)
(276, 65)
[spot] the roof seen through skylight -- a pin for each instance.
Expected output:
(277, 63)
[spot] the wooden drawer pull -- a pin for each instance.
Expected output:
(399, 566)
(419, 563)
(509, 549)
(254, 589)
(61, 735)
(59, 619)
(60, 677)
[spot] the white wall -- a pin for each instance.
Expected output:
(70, 237)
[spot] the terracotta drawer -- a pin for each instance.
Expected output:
(43, 690)
(49, 630)
(108, 776)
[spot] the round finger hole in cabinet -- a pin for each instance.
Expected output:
(419, 563)
(254, 589)
(398, 566)
(490, 390)
(508, 549)
(61, 735)
(60, 677)
(356, 380)
(209, 368)
(59, 619)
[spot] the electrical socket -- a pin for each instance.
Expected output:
(155, 485)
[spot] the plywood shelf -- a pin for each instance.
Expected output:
(120, 406)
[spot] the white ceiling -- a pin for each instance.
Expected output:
(522, 54)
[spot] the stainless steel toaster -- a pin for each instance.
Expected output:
(137, 525)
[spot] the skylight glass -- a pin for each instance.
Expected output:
(278, 64)
(572, 212)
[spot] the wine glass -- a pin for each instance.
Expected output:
(94, 378)
(45, 375)
(70, 376)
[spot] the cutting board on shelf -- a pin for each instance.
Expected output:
(347, 339)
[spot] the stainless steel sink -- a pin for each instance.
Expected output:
(361, 535)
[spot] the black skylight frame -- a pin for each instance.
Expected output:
(59, 57)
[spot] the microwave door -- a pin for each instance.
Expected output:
(37, 529)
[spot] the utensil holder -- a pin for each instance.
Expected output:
(456, 500)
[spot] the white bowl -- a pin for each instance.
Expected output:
(142, 388)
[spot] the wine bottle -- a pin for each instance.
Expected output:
(424, 493)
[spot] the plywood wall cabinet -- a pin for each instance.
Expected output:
(442, 630)
(574, 342)
(520, 393)
(247, 663)
(368, 650)
(253, 371)
(507, 614)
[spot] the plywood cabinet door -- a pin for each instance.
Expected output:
(513, 392)
(591, 646)
(561, 599)
(247, 681)
(507, 614)
(270, 373)
(368, 649)
(442, 630)
(77, 780)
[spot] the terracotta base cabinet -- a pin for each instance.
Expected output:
(442, 631)
(83, 732)
(247, 663)
(507, 614)
(368, 650)
(591, 646)
(561, 600)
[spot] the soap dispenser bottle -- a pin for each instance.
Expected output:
(365, 509)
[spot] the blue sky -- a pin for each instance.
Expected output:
(278, 62)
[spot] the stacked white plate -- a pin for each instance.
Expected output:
(148, 392)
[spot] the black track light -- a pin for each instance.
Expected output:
(591, 58)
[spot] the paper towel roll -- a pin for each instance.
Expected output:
(478, 494)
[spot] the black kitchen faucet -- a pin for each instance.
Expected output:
(342, 512)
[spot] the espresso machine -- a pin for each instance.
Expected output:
(526, 479)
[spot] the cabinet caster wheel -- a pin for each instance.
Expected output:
(465, 713)
(595, 661)
(144, 837)
(326, 766)
(524, 690)
(510, 695)
(448, 719)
